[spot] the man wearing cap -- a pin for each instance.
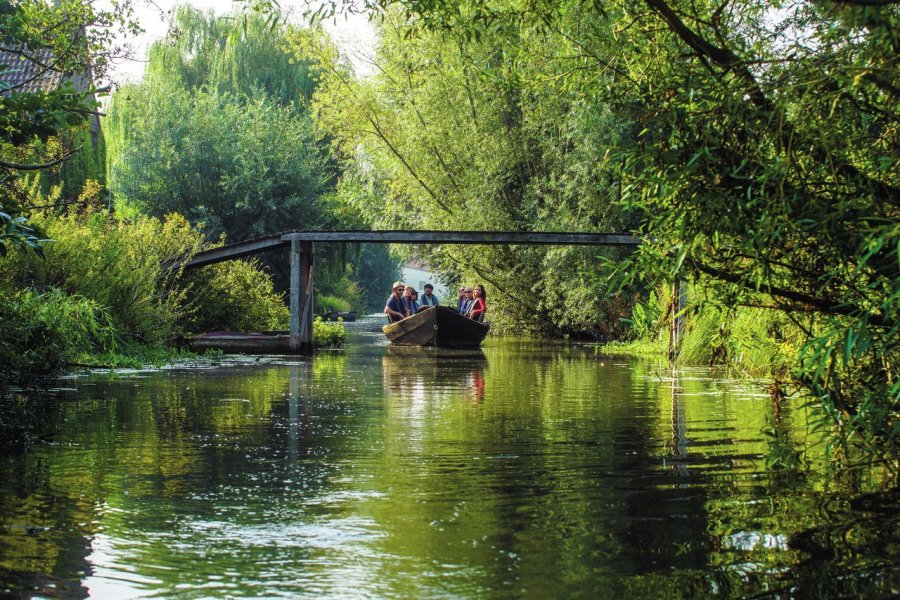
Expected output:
(428, 298)
(394, 307)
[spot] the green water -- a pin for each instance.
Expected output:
(520, 471)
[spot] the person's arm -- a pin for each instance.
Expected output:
(388, 310)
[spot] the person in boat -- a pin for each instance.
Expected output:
(467, 302)
(461, 299)
(409, 300)
(428, 297)
(478, 306)
(395, 308)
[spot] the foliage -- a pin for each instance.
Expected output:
(235, 296)
(110, 292)
(448, 135)
(139, 356)
(15, 233)
(328, 333)
(233, 57)
(118, 264)
(242, 168)
(646, 316)
(770, 185)
(764, 166)
(326, 304)
(87, 164)
(66, 42)
(40, 333)
(220, 132)
(654, 348)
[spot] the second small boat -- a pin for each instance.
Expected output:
(437, 326)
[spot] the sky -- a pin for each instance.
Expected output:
(353, 33)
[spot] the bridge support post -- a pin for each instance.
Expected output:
(301, 334)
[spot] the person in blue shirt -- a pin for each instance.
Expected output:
(428, 297)
(462, 300)
(395, 308)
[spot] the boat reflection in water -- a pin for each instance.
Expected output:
(423, 375)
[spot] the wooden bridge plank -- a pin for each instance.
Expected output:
(465, 237)
(236, 250)
(280, 240)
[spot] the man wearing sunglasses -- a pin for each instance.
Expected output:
(394, 308)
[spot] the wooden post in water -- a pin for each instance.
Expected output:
(301, 334)
(676, 325)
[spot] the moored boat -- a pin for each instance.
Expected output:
(232, 342)
(436, 326)
(334, 315)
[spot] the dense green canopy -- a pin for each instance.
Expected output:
(755, 142)
(218, 131)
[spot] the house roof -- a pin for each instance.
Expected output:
(24, 75)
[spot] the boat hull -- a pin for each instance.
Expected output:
(231, 342)
(437, 326)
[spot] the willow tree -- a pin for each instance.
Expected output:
(219, 130)
(231, 55)
(466, 134)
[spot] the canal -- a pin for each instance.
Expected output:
(523, 470)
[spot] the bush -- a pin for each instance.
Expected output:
(646, 316)
(326, 304)
(118, 264)
(758, 341)
(235, 296)
(111, 288)
(328, 333)
(41, 333)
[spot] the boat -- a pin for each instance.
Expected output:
(437, 326)
(233, 342)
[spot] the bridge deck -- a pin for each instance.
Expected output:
(282, 240)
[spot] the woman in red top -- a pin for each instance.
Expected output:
(478, 305)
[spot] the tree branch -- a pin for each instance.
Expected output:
(37, 167)
(818, 303)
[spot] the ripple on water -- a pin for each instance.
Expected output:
(525, 471)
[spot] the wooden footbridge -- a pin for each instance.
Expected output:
(301, 249)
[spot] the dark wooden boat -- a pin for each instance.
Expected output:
(437, 326)
(232, 342)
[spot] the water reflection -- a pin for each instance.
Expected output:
(519, 470)
(419, 373)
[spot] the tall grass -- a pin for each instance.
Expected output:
(757, 341)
